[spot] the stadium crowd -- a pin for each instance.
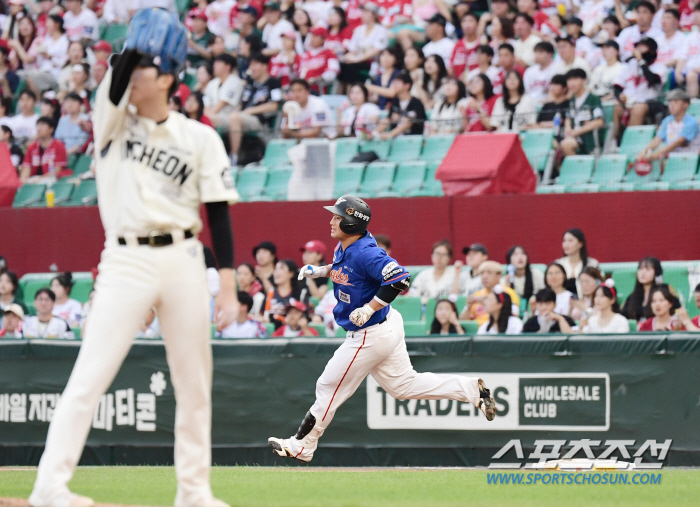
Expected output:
(572, 295)
(406, 66)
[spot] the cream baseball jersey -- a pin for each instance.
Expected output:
(153, 176)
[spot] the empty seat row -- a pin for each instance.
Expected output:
(65, 194)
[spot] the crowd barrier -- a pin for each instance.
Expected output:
(638, 389)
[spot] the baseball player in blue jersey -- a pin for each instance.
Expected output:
(365, 282)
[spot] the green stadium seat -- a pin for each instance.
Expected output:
(694, 109)
(81, 289)
(686, 185)
(276, 152)
(72, 159)
(340, 333)
(537, 145)
(470, 327)
(409, 307)
(378, 177)
(251, 182)
(431, 187)
(182, 6)
(550, 189)
(82, 165)
(625, 280)
(611, 169)
(31, 287)
(381, 148)
(405, 148)
(62, 193)
(677, 277)
(638, 181)
(436, 147)
(345, 149)
(115, 35)
(679, 167)
(348, 178)
(576, 169)
(277, 182)
(635, 139)
(409, 176)
(633, 325)
(28, 195)
(320, 328)
(84, 194)
(414, 328)
(190, 80)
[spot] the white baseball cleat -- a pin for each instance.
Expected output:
(291, 448)
(69, 500)
(486, 403)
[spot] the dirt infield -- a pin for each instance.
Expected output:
(18, 502)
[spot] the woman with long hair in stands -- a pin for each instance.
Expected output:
(606, 317)
(589, 280)
(64, 307)
(9, 285)
(501, 321)
(649, 275)
(448, 116)
(445, 320)
(664, 303)
(525, 280)
(194, 109)
(501, 32)
(339, 33)
(555, 279)
(359, 116)
(434, 75)
(515, 110)
(287, 291)
(480, 104)
(575, 257)
(247, 282)
(20, 56)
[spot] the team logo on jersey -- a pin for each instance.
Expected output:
(337, 276)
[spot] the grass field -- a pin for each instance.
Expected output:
(306, 487)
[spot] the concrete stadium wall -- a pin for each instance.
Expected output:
(619, 227)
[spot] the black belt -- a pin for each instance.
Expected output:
(156, 239)
(380, 322)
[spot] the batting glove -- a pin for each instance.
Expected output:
(309, 271)
(360, 316)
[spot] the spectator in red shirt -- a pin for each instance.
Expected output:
(664, 305)
(339, 33)
(529, 7)
(480, 104)
(464, 52)
(319, 65)
(194, 109)
(296, 323)
(285, 64)
(45, 159)
(102, 50)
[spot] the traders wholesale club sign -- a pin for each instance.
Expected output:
(539, 402)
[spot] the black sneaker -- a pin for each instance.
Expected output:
(486, 403)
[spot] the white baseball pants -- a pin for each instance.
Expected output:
(380, 351)
(131, 280)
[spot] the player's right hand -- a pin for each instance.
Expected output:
(309, 271)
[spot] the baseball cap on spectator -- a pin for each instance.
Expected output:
(573, 20)
(319, 31)
(272, 5)
(576, 73)
(477, 247)
(678, 94)
(314, 246)
(290, 34)
(249, 10)
(16, 309)
(265, 245)
(102, 45)
(297, 305)
(198, 13)
(439, 19)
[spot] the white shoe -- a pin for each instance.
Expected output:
(69, 500)
(291, 448)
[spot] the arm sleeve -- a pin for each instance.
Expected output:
(221, 233)
(690, 130)
(652, 79)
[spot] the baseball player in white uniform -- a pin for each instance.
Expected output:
(365, 282)
(154, 167)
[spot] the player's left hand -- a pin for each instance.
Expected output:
(360, 316)
(226, 309)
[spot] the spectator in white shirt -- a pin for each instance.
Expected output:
(45, 325)
(150, 327)
(673, 48)
(498, 305)
(64, 307)
(80, 22)
(515, 110)
(573, 245)
(222, 95)
(439, 44)
(521, 277)
(467, 280)
(449, 114)
(358, 117)
(484, 58)
(640, 82)
(555, 279)
(312, 120)
(23, 125)
(568, 59)
(244, 326)
(218, 13)
(631, 35)
(12, 317)
(525, 45)
(602, 81)
(691, 68)
(606, 317)
(118, 11)
(48, 56)
(538, 77)
(435, 282)
(584, 45)
(367, 41)
(275, 26)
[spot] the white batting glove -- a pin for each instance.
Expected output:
(360, 316)
(309, 271)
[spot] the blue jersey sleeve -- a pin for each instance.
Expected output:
(383, 268)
